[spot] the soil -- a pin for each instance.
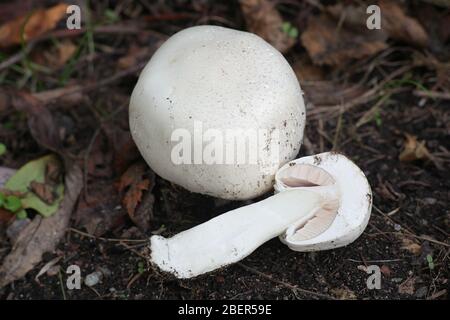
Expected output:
(407, 235)
(419, 191)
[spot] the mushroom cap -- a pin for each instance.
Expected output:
(232, 82)
(340, 223)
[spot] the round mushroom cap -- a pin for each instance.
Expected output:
(218, 112)
(346, 214)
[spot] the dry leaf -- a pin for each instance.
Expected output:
(135, 55)
(135, 181)
(343, 293)
(328, 45)
(44, 191)
(411, 246)
(5, 216)
(414, 150)
(32, 26)
(124, 149)
(134, 194)
(64, 51)
(394, 21)
(407, 287)
(262, 18)
(41, 122)
(42, 234)
(144, 212)
(99, 210)
(399, 26)
(47, 267)
(133, 175)
(305, 70)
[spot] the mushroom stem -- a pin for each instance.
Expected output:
(233, 235)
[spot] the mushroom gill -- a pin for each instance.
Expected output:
(309, 176)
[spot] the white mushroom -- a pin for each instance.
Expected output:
(323, 202)
(230, 83)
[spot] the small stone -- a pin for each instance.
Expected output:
(397, 227)
(362, 268)
(93, 278)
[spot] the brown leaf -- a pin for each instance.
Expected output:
(31, 26)
(307, 71)
(99, 210)
(133, 175)
(144, 212)
(43, 191)
(135, 55)
(343, 293)
(414, 150)
(411, 246)
(133, 195)
(53, 172)
(262, 18)
(134, 181)
(5, 216)
(328, 45)
(42, 234)
(124, 149)
(407, 287)
(62, 53)
(401, 27)
(394, 22)
(41, 122)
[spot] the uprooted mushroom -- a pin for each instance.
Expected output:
(225, 79)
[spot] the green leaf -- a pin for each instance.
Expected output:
(293, 33)
(2, 149)
(430, 261)
(141, 267)
(12, 203)
(35, 171)
(2, 199)
(22, 214)
(289, 29)
(286, 26)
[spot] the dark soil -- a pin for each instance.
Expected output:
(273, 271)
